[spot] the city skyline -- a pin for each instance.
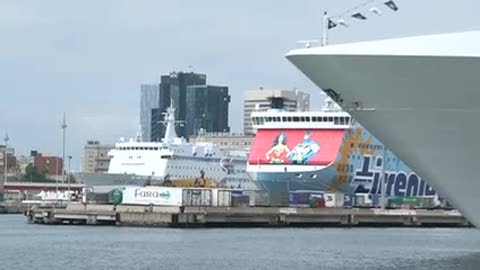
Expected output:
(88, 59)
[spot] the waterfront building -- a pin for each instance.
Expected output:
(23, 161)
(50, 164)
(11, 159)
(259, 100)
(149, 99)
(95, 157)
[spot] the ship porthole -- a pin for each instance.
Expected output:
(298, 175)
(314, 176)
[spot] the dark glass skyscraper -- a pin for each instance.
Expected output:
(197, 104)
(207, 109)
(148, 100)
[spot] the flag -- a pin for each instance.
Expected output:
(359, 16)
(331, 24)
(391, 5)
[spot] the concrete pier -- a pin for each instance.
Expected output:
(12, 208)
(158, 216)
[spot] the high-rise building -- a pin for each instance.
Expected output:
(197, 104)
(207, 109)
(173, 88)
(260, 100)
(149, 99)
(95, 157)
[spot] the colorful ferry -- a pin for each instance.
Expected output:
(325, 150)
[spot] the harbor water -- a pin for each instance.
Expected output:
(28, 246)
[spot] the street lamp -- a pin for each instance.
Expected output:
(68, 177)
(5, 161)
(64, 127)
(383, 179)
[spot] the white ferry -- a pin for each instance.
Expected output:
(173, 161)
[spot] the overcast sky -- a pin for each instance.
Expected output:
(88, 58)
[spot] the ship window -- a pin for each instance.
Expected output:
(307, 119)
(284, 119)
(278, 119)
(330, 119)
(296, 119)
(342, 120)
(302, 119)
(347, 120)
(269, 119)
(325, 119)
(289, 119)
(335, 121)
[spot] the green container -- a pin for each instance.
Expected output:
(398, 202)
(115, 196)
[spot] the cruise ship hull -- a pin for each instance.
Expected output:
(419, 96)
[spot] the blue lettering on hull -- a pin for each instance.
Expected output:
(398, 183)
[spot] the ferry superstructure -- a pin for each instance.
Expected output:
(325, 150)
(418, 95)
(135, 162)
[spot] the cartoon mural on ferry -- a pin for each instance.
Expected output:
(348, 160)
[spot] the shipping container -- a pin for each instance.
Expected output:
(221, 197)
(404, 202)
(334, 199)
(302, 198)
(115, 196)
(95, 198)
(376, 200)
(348, 200)
(237, 191)
(240, 200)
(317, 202)
(152, 196)
(278, 199)
(362, 200)
(414, 202)
(197, 197)
(258, 197)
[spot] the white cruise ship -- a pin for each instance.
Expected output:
(419, 95)
(134, 162)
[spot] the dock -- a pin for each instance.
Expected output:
(12, 208)
(181, 217)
